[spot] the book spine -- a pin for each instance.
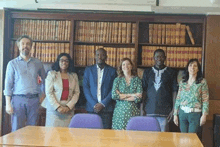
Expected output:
(134, 27)
(200, 55)
(190, 35)
(159, 34)
(155, 40)
(186, 58)
(119, 32)
(116, 33)
(168, 56)
(168, 34)
(163, 34)
(183, 34)
(173, 34)
(124, 32)
(178, 26)
(151, 27)
(128, 40)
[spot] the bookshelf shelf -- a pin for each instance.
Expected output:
(47, 41)
(104, 44)
(172, 45)
(145, 66)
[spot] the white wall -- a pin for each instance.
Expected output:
(169, 6)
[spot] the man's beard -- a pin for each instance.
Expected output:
(25, 52)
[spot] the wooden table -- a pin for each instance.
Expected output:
(49, 136)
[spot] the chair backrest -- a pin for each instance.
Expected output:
(85, 120)
(143, 123)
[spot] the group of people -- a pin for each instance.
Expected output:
(103, 85)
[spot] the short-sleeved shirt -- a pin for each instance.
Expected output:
(159, 86)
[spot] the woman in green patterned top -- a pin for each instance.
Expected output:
(192, 102)
(127, 91)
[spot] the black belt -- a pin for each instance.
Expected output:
(26, 95)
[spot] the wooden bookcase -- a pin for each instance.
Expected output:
(80, 33)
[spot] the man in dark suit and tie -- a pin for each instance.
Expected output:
(97, 86)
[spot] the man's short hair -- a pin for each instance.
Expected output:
(159, 50)
(102, 50)
(23, 36)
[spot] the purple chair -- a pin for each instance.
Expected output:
(85, 120)
(143, 123)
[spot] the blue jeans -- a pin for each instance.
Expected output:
(164, 125)
(25, 112)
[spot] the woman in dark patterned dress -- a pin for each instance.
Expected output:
(127, 91)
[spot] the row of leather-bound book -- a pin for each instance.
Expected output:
(106, 32)
(174, 34)
(42, 29)
(46, 52)
(85, 55)
(175, 56)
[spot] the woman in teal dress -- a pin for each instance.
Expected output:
(127, 91)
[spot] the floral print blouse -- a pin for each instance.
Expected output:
(194, 96)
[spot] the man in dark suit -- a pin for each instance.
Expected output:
(97, 86)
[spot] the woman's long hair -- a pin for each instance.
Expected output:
(56, 65)
(120, 72)
(199, 76)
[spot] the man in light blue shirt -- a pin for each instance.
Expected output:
(21, 86)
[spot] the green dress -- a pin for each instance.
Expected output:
(124, 110)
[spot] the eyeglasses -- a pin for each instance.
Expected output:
(61, 60)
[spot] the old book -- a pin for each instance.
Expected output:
(110, 33)
(56, 48)
(155, 39)
(119, 32)
(53, 56)
(182, 34)
(186, 58)
(163, 34)
(178, 26)
(63, 30)
(168, 56)
(195, 52)
(182, 56)
(179, 58)
(124, 32)
(108, 61)
(151, 28)
(200, 54)
(168, 33)
(114, 57)
(128, 40)
(49, 52)
(115, 32)
(191, 50)
(134, 28)
(190, 35)
(66, 30)
(105, 31)
(159, 34)
(67, 48)
(173, 34)
(101, 31)
(174, 57)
